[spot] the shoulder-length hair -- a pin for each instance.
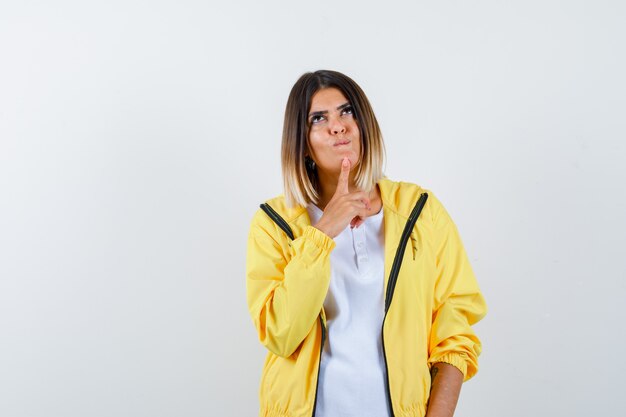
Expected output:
(299, 175)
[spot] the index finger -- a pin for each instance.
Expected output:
(342, 183)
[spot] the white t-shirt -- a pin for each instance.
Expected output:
(352, 369)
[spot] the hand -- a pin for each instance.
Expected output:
(345, 207)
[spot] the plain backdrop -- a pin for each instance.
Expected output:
(137, 138)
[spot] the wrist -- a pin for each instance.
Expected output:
(322, 228)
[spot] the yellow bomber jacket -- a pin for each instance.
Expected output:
(431, 300)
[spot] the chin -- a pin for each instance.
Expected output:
(352, 156)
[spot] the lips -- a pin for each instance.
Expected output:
(342, 142)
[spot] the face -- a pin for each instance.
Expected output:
(333, 130)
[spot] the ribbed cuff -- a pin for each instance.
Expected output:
(455, 360)
(320, 238)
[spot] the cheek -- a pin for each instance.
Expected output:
(315, 142)
(356, 132)
(355, 127)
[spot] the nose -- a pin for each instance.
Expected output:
(336, 126)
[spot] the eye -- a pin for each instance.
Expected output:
(347, 110)
(317, 119)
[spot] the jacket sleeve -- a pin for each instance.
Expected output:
(285, 291)
(458, 302)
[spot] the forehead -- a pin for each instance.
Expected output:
(327, 98)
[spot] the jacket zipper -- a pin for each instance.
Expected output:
(277, 219)
(393, 277)
(285, 227)
(319, 363)
(397, 261)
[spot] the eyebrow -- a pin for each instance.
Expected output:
(323, 112)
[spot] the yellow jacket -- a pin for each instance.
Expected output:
(431, 300)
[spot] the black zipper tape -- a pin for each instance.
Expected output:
(319, 363)
(277, 219)
(397, 261)
(283, 225)
(393, 277)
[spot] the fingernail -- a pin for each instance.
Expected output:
(345, 162)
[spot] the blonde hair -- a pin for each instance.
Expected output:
(300, 177)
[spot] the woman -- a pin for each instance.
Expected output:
(358, 286)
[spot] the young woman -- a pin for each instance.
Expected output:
(358, 286)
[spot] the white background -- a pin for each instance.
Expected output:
(137, 138)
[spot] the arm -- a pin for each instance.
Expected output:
(446, 381)
(457, 305)
(285, 287)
